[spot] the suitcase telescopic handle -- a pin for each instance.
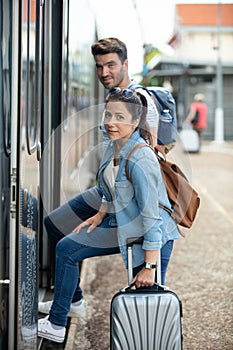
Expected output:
(139, 240)
(130, 242)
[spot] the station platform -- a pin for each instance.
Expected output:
(200, 270)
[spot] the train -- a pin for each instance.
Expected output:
(49, 113)
(50, 141)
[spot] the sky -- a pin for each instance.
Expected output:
(203, 1)
(136, 22)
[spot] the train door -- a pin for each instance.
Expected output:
(27, 18)
(71, 123)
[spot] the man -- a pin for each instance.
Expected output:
(111, 59)
(110, 55)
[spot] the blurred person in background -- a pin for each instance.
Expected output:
(198, 115)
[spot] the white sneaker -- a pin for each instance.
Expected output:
(45, 330)
(75, 310)
(29, 332)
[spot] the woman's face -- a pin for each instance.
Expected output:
(118, 121)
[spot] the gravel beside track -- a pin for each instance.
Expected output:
(200, 271)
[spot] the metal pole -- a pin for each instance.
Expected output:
(219, 112)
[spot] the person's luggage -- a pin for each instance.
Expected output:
(145, 319)
(183, 198)
(190, 140)
(166, 106)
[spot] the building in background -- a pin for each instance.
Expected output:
(202, 61)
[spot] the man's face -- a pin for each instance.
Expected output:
(111, 72)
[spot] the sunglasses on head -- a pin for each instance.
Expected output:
(125, 93)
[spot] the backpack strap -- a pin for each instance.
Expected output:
(139, 145)
(159, 153)
(158, 150)
(137, 86)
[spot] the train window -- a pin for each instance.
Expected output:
(81, 64)
(31, 73)
(78, 86)
(5, 73)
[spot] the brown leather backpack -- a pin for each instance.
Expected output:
(182, 196)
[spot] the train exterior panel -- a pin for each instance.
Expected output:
(47, 127)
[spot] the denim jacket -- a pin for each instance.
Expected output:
(135, 206)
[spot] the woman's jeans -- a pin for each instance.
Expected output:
(74, 247)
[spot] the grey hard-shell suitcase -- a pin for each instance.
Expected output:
(190, 140)
(145, 319)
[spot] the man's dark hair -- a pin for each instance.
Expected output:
(110, 45)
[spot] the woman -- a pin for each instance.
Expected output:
(128, 209)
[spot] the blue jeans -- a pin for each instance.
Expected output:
(73, 248)
(65, 218)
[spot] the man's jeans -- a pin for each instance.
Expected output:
(73, 248)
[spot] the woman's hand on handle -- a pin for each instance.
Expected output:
(144, 278)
